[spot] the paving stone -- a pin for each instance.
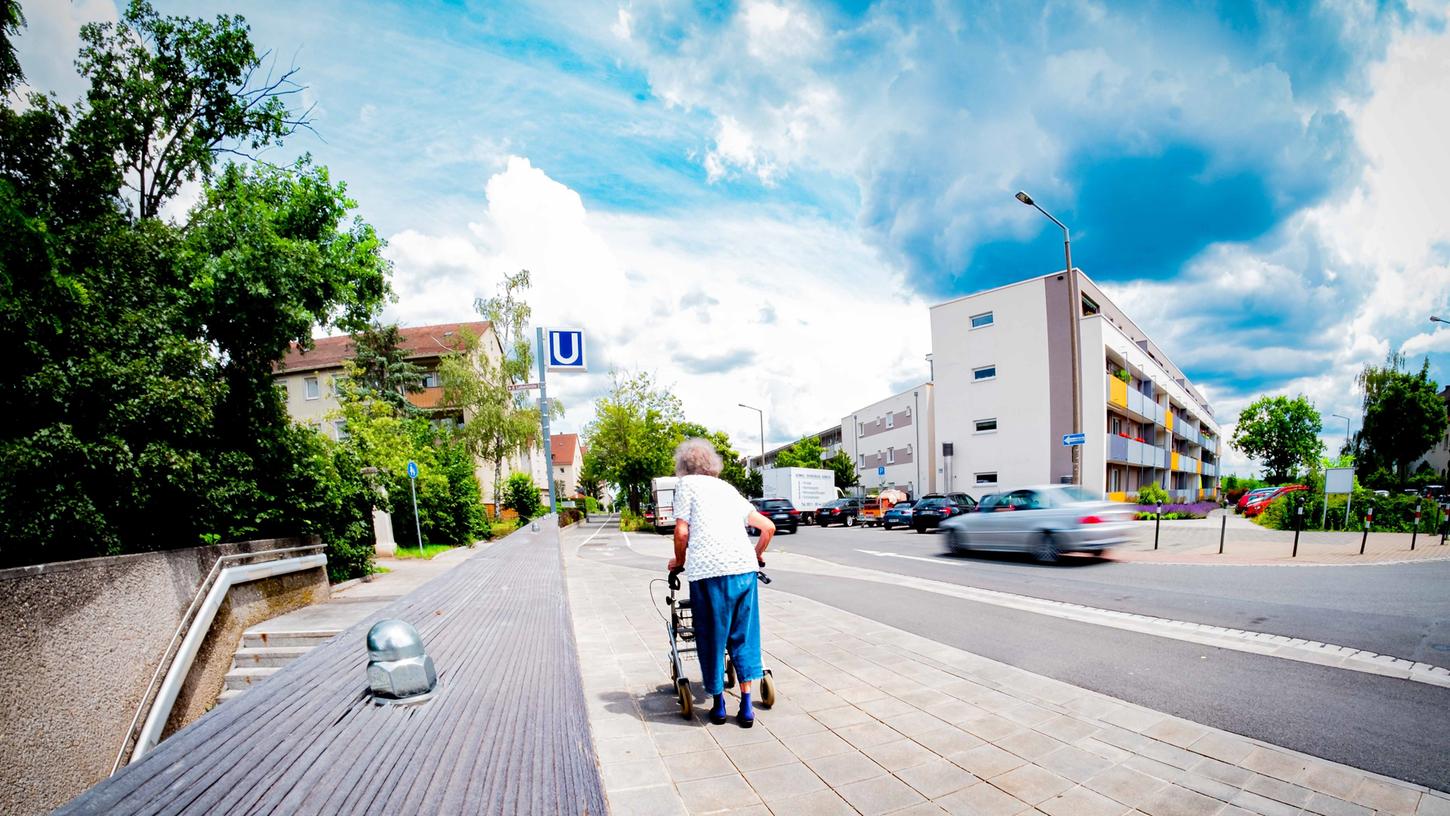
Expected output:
(639, 774)
(1274, 763)
(1176, 732)
(898, 754)
(784, 781)
(1067, 728)
(684, 742)
(1254, 803)
(987, 761)
(1173, 800)
(1080, 801)
(1028, 744)
(625, 749)
(699, 765)
(990, 727)
(982, 799)
(922, 809)
(841, 716)
(867, 734)
(1335, 780)
(732, 735)
(841, 769)
(947, 740)
(810, 746)
(1073, 763)
(884, 706)
(789, 724)
(1154, 768)
(761, 755)
(1333, 806)
(912, 722)
(1032, 784)
(1223, 747)
(936, 778)
(717, 793)
(861, 694)
(819, 803)
(656, 801)
(878, 795)
(1278, 790)
(1386, 797)
(1125, 785)
(1432, 804)
(1223, 772)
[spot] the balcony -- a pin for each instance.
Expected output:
(1117, 392)
(1132, 452)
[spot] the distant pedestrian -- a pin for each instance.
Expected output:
(720, 564)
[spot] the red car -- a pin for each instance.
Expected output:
(1258, 504)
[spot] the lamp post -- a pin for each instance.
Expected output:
(1074, 308)
(1434, 319)
(762, 445)
(1346, 427)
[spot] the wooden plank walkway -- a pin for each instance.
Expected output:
(507, 733)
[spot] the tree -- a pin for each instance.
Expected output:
(805, 453)
(521, 495)
(383, 371)
(734, 471)
(845, 470)
(498, 423)
(634, 433)
(591, 476)
(1405, 418)
(1280, 433)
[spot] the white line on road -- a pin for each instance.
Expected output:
(1304, 651)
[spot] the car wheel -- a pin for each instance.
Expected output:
(1047, 549)
(850, 521)
(886, 526)
(920, 528)
(957, 541)
(794, 528)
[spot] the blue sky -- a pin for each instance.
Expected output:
(1252, 180)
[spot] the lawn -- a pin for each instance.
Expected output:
(429, 550)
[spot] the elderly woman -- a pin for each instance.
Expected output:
(720, 564)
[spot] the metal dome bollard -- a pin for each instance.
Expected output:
(399, 670)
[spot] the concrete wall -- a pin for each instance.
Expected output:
(83, 639)
(866, 439)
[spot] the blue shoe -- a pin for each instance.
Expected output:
(746, 717)
(717, 714)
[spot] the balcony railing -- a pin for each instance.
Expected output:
(1132, 452)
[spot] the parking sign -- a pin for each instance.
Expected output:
(565, 350)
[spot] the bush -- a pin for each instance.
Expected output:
(1196, 510)
(632, 522)
(521, 495)
(1152, 494)
(570, 515)
(1392, 514)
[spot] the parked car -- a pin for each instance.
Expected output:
(1253, 494)
(1044, 521)
(844, 512)
(898, 516)
(1260, 503)
(936, 507)
(787, 519)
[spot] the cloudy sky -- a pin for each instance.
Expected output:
(758, 201)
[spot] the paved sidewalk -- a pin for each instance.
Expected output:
(872, 720)
(1196, 541)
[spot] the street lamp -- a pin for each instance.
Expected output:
(1074, 308)
(1434, 319)
(762, 445)
(1346, 427)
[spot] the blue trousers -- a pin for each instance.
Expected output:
(726, 618)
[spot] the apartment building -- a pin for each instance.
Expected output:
(892, 442)
(310, 380)
(1003, 380)
(829, 439)
(568, 457)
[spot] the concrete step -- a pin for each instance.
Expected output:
(307, 639)
(251, 657)
(243, 679)
(228, 694)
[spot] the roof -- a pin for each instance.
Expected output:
(562, 447)
(417, 342)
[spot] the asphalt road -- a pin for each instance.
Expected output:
(1395, 609)
(1395, 727)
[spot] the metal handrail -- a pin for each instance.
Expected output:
(182, 628)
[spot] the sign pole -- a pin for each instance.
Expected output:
(413, 488)
(544, 418)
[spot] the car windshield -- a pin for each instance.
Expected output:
(837, 503)
(773, 504)
(903, 505)
(1071, 493)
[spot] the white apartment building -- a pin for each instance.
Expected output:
(1003, 379)
(892, 442)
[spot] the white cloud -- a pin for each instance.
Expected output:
(676, 295)
(48, 44)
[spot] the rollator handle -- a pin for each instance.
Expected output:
(675, 577)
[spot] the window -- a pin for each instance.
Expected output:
(311, 388)
(891, 456)
(1089, 307)
(1115, 425)
(860, 429)
(339, 428)
(986, 478)
(860, 460)
(890, 420)
(985, 425)
(430, 380)
(1113, 480)
(984, 373)
(982, 320)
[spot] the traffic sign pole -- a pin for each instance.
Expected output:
(544, 418)
(413, 488)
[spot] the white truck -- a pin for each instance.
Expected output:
(663, 490)
(806, 488)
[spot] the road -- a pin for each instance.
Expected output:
(1389, 726)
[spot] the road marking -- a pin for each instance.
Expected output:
(602, 527)
(1242, 640)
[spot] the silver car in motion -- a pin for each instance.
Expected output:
(1044, 521)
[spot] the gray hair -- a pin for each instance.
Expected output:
(697, 457)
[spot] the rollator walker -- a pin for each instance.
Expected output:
(681, 629)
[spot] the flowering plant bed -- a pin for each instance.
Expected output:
(1194, 510)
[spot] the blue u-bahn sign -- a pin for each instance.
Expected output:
(565, 350)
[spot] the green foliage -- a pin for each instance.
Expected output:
(139, 401)
(805, 453)
(734, 471)
(592, 478)
(1403, 418)
(1394, 513)
(382, 369)
(632, 522)
(844, 469)
(427, 553)
(634, 433)
(570, 515)
(1281, 433)
(1153, 494)
(521, 495)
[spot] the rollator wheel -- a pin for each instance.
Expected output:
(687, 701)
(729, 674)
(767, 689)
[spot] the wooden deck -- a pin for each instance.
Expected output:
(507, 732)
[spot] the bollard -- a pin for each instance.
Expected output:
(1368, 520)
(1298, 525)
(1416, 532)
(1221, 530)
(1157, 520)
